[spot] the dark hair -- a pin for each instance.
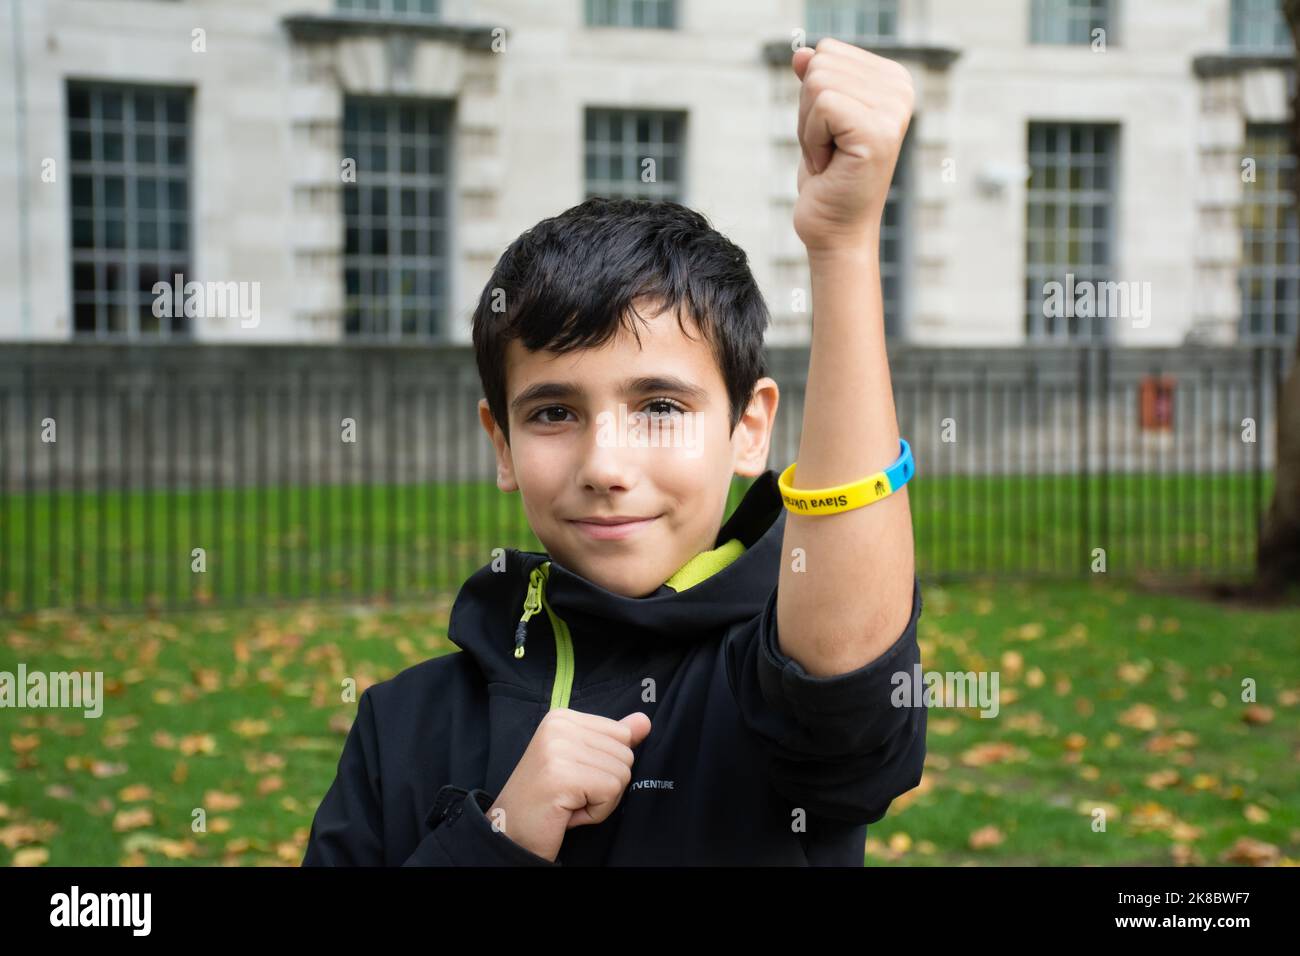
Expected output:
(569, 282)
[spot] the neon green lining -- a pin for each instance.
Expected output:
(697, 569)
(704, 565)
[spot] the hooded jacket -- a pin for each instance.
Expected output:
(749, 760)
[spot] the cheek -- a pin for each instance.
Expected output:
(539, 469)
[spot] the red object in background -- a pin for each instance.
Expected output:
(1156, 403)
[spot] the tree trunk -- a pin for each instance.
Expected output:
(1277, 564)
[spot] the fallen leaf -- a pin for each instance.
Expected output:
(1161, 779)
(985, 837)
(981, 755)
(1140, 716)
(133, 819)
(1257, 714)
(31, 856)
(1255, 813)
(215, 801)
(1251, 852)
(198, 743)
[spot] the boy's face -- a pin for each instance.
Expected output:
(573, 455)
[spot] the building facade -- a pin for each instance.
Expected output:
(333, 170)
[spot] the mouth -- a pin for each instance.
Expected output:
(613, 527)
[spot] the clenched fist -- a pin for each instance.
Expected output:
(854, 109)
(573, 773)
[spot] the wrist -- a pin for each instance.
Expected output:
(862, 252)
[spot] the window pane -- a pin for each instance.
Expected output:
(115, 198)
(661, 14)
(1066, 218)
(1270, 266)
(402, 146)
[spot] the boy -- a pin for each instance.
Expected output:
(660, 687)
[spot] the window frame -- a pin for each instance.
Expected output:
(130, 258)
(1243, 15)
(430, 186)
(1045, 14)
(1282, 240)
(1037, 273)
(860, 10)
(621, 14)
(629, 117)
(386, 10)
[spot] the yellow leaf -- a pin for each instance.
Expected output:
(133, 819)
(900, 842)
(1255, 813)
(215, 801)
(1161, 779)
(1141, 716)
(986, 837)
(1257, 714)
(982, 755)
(198, 743)
(251, 728)
(31, 856)
(1251, 852)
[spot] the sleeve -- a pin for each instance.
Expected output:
(348, 826)
(837, 746)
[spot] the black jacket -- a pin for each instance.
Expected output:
(742, 738)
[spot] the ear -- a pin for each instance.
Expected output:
(505, 465)
(753, 435)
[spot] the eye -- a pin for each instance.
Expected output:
(537, 415)
(670, 406)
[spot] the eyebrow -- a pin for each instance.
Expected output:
(632, 386)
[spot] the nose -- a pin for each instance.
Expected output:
(609, 460)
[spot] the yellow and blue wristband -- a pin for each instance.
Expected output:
(855, 494)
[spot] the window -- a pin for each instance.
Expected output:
(852, 20)
(396, 9)
(1270, 242)
(660, 14)
(1069, 208)
(129, 175)
(893, 240)
(634, 154)
(1068, 21)
(395, 257)
(1257, 26)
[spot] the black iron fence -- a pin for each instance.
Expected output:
(174, 476)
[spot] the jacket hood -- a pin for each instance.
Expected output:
(716, 589)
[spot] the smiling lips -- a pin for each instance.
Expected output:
(611, 528)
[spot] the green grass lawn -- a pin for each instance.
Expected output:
(134, 549)
(1111, 698)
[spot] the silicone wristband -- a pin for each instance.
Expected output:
(864, 491)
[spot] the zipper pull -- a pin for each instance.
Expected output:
(532, 604)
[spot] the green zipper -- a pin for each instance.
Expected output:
(535, 601)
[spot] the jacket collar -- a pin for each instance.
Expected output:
(716, 589)
(731, 582)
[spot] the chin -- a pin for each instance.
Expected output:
(627, 585)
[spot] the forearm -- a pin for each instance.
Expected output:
(853, 597)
